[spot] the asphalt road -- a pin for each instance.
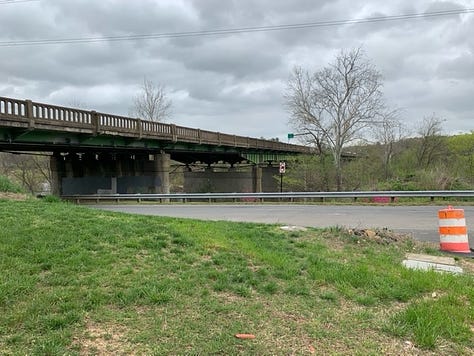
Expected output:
(419, 221)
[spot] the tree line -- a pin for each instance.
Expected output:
(361, 143)
(427, 161)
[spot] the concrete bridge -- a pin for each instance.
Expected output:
(96, 152)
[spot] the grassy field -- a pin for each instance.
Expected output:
(85, 282)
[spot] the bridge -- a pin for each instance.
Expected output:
(95, 152)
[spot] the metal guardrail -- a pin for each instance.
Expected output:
(382, 196)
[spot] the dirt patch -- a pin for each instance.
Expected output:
(13, 196)
(467, 265)
(364, 335)
(104, 339)
(228, 298)
(361, 236)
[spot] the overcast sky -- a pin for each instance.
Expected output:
(235, 83)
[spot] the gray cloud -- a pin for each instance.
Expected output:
(234, 83)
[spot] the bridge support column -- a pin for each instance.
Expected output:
(162, 171)
(54, 166)
(269, 179)
(257, 179)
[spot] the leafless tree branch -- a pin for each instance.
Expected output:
(151, 103)
(335, 103)
(431, 144)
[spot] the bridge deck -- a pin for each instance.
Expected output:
(30, 125)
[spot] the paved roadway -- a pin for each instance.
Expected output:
(419, 221)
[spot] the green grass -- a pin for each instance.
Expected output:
(6, 185)
(82, 281)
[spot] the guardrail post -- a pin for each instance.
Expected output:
(30, 114)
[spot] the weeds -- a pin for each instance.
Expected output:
(7, 185)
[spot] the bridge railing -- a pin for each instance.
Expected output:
(150, 128)
(56, 117)
(117, 124)
(12, 107)
(58, 114)
(189, 133)
(208, 136)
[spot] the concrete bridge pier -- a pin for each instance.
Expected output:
(254, 179)
(268, 178)
(162, 172)
(257, 178)
(109, 173)
(55, 174)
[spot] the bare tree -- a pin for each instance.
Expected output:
(151, 103)
(30, 170)
(432, 144)
(335, 104)
(387, 132)
(77, 103)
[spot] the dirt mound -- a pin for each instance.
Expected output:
(381, 236)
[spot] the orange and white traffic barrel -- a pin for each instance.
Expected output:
(453, 231)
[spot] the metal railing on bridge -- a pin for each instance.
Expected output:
(377, 196)
(32, 115)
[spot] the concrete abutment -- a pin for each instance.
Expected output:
(252, 179)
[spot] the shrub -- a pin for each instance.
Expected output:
(6, 185)
(51, 199)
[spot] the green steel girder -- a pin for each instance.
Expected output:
(22, 139)
(261, 157)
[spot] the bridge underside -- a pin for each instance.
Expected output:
(21, 139)
(86, 164)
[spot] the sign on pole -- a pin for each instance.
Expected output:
(282, 167)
